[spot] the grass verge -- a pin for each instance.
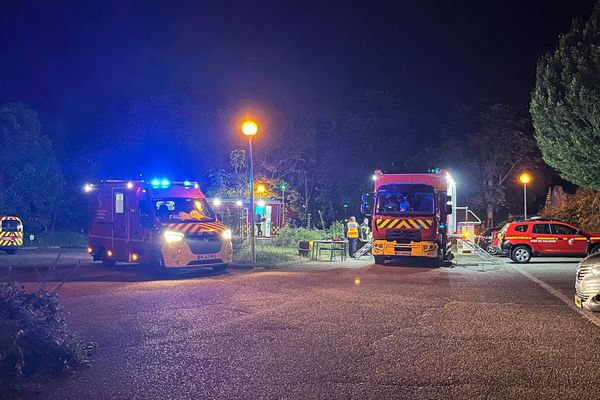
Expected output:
(65, 239)
(266, 254)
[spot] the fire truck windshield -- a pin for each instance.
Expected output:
(404, 199)
(11, 225)
(183, 210)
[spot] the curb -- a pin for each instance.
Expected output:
(269, 266)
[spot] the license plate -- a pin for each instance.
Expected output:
(403, 253)
(206, 256)
(578, 301)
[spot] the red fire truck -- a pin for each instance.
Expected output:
(411, 215)
(163, 224)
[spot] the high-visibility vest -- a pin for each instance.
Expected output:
(352, 232)
(364, 232)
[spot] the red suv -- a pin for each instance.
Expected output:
(522, 240)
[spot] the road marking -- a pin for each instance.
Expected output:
(561, 296)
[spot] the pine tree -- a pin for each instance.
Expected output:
(565, 104)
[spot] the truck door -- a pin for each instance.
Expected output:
(568, 240)
(120, 226)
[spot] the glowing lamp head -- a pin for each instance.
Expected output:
(373, 177)
(88, 187)
(226, 235)
(249, 128)
(216, 202)
(525, 178)
(238, 203)
(129, 185)
(261, 188)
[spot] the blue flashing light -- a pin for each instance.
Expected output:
(165, 182)
(187, 183)
(155, 182)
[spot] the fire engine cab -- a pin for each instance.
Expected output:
(411, 215)
(163, 224)
(11, 234)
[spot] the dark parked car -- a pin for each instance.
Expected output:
(485, 240)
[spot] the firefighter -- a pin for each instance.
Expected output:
(352, 229)
(365, 231)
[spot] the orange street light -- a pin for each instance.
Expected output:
(249, 128)
(261, 188)
(525, 178)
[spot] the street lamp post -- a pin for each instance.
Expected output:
(283, 187)
(525, 178)
(249, 128)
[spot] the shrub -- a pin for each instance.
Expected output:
(289, 237)
(579, 209)
(58, 239)
(34, 340)
(238, 244)
(336, 230)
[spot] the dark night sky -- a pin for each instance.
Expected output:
(79, 62)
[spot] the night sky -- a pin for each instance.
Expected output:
(79, 63)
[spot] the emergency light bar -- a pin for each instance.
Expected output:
(155, 183)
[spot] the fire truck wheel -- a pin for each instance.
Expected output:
(11, 251)
(521, 254)
(379, 260)
(220, 268)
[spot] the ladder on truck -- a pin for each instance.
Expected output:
(477, 250)
(363, 250)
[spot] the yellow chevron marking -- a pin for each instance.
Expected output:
(384, 223)
(393, 223)
(404, 224)
(414, 223)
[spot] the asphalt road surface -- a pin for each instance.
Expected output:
(347, 331)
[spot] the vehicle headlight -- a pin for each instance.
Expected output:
(226, 235)
(594, 269)
(172, 237)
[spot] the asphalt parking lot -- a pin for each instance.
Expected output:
(353, 330)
